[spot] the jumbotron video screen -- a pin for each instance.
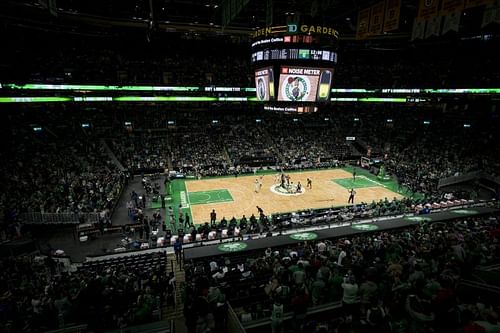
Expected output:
(264, 84)
(304, 84)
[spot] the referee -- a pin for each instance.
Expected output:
(352, 193)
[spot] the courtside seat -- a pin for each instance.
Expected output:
(211, 235)
(173, 239)
(198, 237)
(186, 239)
(224, 233)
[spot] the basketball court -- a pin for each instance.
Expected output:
(237, 196)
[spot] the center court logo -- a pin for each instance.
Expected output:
(232, 247)
(365, 227)
(288, 191)
(296, 88)
(303, 236)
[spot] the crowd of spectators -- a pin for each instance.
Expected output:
(105, 60)
(45, 173)
(141, 152)
(249, 145)
(311, 144)
(402, 67)
(199, 151)
(225, 61)
(393, 281)
(37, 294)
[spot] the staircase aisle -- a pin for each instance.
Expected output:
(175, 311)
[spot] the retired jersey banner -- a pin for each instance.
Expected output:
(451, 22)
(363, 23)
(427, 9)
(418, 30)
(491, 14)
(451, 6)
(433, 27)
(391, 17)
(376, 19)
(477, 3)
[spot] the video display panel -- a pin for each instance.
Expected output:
(294, 54)
(264, 84)
(304, 84)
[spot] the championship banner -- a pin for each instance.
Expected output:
(427, 9)
(451, 22)
(491, 14)
(451, 6)
(363, 23)
(51, 5)
(418, 29)
(391, 17)
(477, 3)
(433, 27)
(376, 19)
(269, 13)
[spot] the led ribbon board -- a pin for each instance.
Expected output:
(126, 99)
(74, 87)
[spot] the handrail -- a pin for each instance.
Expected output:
(289, 315)
(466, 177)
(58, 218)
(233, 322)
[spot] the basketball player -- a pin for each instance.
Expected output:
(283, 180)
(352, 193)
(299, 187)
(257, 185)
(260, 182)
(277, 178)
(353, 174)
(309, 184)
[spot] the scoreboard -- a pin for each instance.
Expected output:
(294, 65)
(294, 54)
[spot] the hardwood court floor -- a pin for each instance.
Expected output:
(325, 193)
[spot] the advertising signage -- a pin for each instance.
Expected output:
(296, 29)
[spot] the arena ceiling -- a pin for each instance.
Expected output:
(254, 14)
(202, 15)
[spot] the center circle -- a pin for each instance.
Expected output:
(287, 190)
